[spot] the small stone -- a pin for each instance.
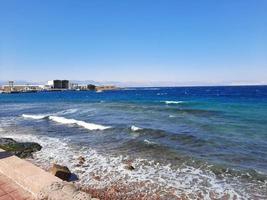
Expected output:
(61, 172)
(97, 178)
(129, 167)
(42, 195)
(81, 160)
(55, 186)
(81, 196)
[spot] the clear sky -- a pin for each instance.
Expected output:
(180, 41)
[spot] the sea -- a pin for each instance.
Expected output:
(161, 142)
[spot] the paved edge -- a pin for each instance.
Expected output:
(9, 190)
(25, 174)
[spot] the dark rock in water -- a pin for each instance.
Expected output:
(61, 172)
(7, 141)
(20, 149)
(81, 160)
(129, 167)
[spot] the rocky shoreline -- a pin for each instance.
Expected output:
(115, 191)
(20, 149)
(60, 189)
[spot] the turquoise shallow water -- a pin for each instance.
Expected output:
(218, 134)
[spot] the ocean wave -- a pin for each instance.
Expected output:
(172, 102)
(152, 133)
(63, 120)
(149, 142)
(68, 111)
(135, 128)
(89, 126)
(35, 116)
(161, 93)
(188, 139)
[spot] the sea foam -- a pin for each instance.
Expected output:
(172, 102)
(63, 120)
(135, 128)
(34, 116)
(89, 126)
(149, 142)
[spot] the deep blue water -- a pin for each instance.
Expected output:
(221, 131)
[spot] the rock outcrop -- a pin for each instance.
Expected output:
(61, 172)
(20, 149)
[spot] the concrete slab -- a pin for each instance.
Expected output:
(28, 176)
(9, 190)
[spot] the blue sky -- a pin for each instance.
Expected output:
(179, 41)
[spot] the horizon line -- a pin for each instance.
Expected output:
(132, 84)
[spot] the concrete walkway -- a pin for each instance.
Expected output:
(9, 190)
(19, 176)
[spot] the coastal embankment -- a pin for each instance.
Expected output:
(29, 181)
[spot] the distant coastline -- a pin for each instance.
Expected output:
(52, 86)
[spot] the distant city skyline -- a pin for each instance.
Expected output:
(135, 43)
(139, 84)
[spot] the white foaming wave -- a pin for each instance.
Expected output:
(149, 142)
(63, 120)
(135, 128)
(34, 116)
(89, 126)
(172, 102)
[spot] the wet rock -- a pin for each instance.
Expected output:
(81, 160)
(20, 149)
(7, 141)
(129, 167)
(61, 172)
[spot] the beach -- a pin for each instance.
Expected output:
(149, 143)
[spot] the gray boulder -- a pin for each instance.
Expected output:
(20, 149)
(61, 172)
